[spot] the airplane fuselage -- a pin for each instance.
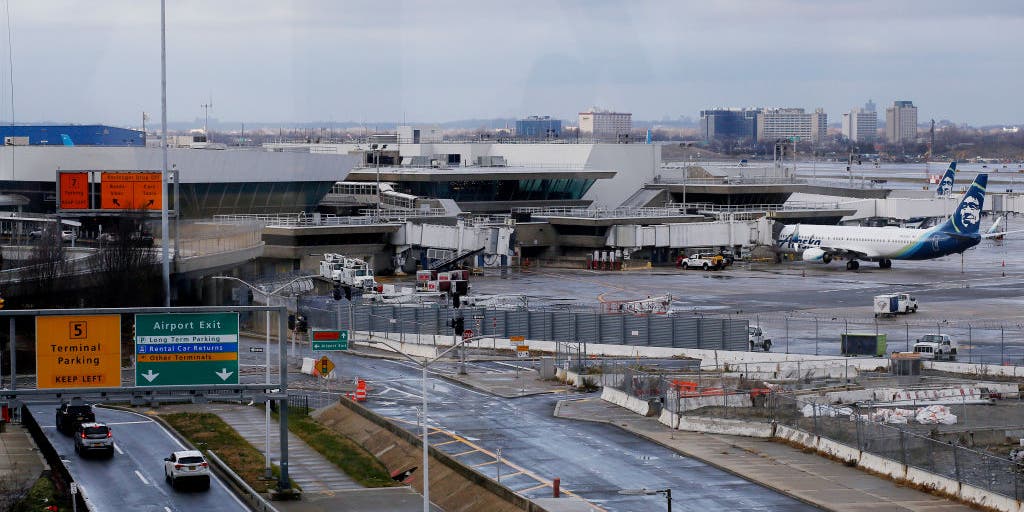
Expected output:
(878, 243)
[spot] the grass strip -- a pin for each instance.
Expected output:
(42, 494)
(340, 450)
(207, 431)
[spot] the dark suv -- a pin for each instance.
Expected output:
(72, 414)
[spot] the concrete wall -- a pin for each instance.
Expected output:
(621, 399)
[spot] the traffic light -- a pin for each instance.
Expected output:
(336, 293)
(291, 322)
(1, 303)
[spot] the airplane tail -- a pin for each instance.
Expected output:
(946, 184)
(66, 139)
(967, 216)
(995, 227)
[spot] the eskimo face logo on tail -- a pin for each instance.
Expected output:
(968, 212)
(946, 186)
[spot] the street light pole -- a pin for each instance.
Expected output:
(423, 391)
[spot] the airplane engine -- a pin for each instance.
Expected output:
(817, 255)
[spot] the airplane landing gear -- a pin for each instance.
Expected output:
(852, 265)
(885, 264)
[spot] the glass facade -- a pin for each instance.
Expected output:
(538, 128)
(500, 190)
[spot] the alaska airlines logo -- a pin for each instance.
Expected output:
(946, 185)
(795, 242)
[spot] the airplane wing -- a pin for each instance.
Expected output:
(851, 252)
(1000, 234)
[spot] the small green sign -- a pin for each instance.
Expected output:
(328, 340)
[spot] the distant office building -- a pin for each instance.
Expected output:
(901, 122)
(538, 128)
(870, 106)
(784, 123)
(728, 123)
(71, 135)
(602, 124)
(861, 124)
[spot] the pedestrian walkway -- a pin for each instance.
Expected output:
(804, 476)
(309, 469)
(21, 464)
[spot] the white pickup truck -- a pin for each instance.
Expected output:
(936, 346)
(757, 340)
(701, 261)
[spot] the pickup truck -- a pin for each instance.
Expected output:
(757, 340)
(936, 346)
(702, 262)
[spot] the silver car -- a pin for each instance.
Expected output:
(94, 437)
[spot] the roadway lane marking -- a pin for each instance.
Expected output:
(534, 488)
(467, 452)
(485, 464)
(130, 422)
(144, 481)
(118, 448)
(444, 443)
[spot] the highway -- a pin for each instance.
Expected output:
(593, 460)
(133, 478)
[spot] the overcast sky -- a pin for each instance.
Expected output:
(299, 61)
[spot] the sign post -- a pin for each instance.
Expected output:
(78, 351)
(186, 349)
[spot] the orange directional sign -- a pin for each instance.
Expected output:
(130, 191)
(74, 190)
(75, 351)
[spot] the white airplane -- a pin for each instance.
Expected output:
(852, 243)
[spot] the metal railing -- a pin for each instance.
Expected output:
(256, 500)
(601, 213)
(728, 180)
(296, 220)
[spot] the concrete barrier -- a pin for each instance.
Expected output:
(983, 498)
(621, 399)
(669, 419)
(929, 480)
(725, 426)
(729, 400)
(882, 466)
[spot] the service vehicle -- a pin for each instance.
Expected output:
(68, 236)
(187, 466)
(94, 437)
(702, 262)
(757, 340)
(894, 304)
(936, 346)
(72, 414)
(345, 271)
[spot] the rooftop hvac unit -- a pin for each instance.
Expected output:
(490, 161)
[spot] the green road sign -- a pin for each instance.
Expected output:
(177, 349)
(328, 340)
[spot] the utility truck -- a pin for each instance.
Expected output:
(757, 340)
(345, 271)
(939, 347)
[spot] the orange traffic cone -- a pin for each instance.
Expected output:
(361, 391)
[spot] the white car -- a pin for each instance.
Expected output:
(187, 466)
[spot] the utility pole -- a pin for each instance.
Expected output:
(206, 122)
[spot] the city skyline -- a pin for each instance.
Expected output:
(445, 61)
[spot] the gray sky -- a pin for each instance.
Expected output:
(293, 61)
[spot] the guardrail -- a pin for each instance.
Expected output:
(600, 213)
(257, 501)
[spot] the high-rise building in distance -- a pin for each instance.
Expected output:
(605, 125)
(901, 122)
(861, 124)
(538, 128)
(728, 123)
(786, 123)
